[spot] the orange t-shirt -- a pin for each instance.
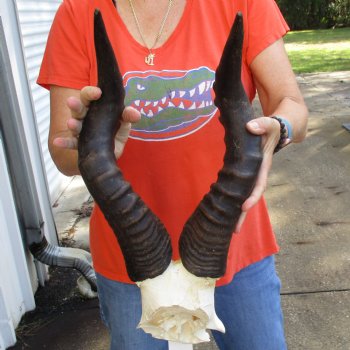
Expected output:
(174, 153)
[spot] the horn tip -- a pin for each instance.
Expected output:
(239, 17)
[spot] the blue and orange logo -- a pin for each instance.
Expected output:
(173, 104)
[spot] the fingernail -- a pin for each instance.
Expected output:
(254, 125)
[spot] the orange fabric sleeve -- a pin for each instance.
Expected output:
(266, 25)
(66, 61)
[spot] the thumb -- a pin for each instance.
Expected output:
(260, 125)
(131, 115)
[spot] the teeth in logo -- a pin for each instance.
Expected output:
(201, 87)
(193, 106)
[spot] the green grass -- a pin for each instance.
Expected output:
(313, 51)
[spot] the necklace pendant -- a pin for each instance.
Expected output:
(149, 59)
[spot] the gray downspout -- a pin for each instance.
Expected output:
(23, 184)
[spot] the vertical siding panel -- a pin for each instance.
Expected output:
(16, 294)
(35, 19)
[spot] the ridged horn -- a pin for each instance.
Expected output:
(143, 239)
(206, 236)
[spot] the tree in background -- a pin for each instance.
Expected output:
(313, 14)
(340, 12)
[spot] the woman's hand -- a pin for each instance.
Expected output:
(269, 129)
(79, 107)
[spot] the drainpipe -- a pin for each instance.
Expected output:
(23, 183)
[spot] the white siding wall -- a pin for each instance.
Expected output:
(18, 275)
(35, 18)
(16, 293)
(10, 20)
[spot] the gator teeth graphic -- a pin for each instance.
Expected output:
(198, 97)
(201, 87)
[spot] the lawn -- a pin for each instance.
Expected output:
(319, 50)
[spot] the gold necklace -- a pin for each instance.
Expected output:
(149, 59)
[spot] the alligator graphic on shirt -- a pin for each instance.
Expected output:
(173, 104)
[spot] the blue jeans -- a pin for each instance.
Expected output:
(249, 307)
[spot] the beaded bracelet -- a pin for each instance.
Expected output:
(283, 134)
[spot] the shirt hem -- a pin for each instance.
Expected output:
(46, 82)
(221, 282)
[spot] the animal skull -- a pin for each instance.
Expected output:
(179, 306)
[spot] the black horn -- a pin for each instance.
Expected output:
(143, 239)
(206, 236)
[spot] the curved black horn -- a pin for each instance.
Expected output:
(143, 239)
(206, 237)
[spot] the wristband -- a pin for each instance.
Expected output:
(288, 125)
(286, 132)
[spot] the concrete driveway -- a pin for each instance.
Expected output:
(309, 200)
